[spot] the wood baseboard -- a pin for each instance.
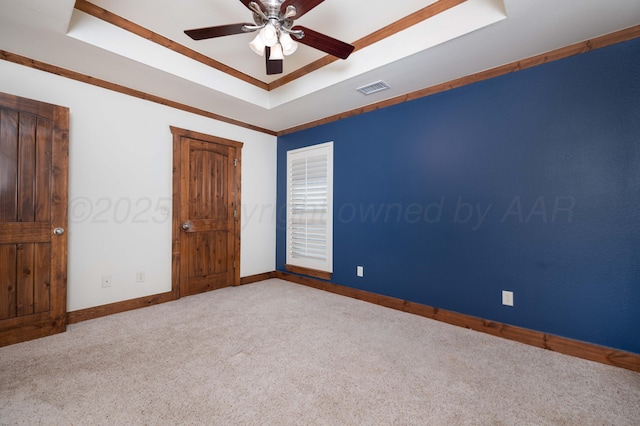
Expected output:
(323, 275)
(589, 351)
(74, 317)
(258, 277)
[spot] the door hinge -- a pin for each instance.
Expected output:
(235, 162)
(235, 214)
(234, 264)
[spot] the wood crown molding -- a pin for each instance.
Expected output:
(389, 30)
(554, 55)
(588, 351)
(118, 21)
(62, 72)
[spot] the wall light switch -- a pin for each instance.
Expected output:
(360, 271)
(507, 298)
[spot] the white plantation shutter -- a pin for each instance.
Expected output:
(310, 207)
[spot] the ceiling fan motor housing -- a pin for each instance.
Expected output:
(273, 15)
(273, 8)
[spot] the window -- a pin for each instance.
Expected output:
(310, 207)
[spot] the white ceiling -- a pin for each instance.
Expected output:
(471, 37)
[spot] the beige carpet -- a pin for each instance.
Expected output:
(276, 353)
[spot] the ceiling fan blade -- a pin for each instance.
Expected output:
(274, 66)
(302, 6)
(212, 32)
(325, 43)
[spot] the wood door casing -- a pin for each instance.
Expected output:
(33, 201)
(206, 200)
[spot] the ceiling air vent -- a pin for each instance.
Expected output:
(373, 87)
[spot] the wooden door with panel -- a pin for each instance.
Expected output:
(33, 218)
(208, 212)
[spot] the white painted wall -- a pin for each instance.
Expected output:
(120, 161)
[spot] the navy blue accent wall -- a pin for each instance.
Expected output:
(528, 182)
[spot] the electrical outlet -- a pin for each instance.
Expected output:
(507, 298)
(360, 271)
(106, 281)
(140, 277)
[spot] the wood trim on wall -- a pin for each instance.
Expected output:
(387, 31)
(112, 18)
(74, 317)
(554, 55)
(62, 72)
(308, 271)
(575, 49)
(257, 278)
(559, 344)
(588, 351)
(204, 137)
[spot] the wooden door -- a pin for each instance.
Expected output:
(206, 212)
(33, 218)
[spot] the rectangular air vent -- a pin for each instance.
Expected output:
(373, 87)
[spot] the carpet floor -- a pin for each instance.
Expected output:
(277, 353)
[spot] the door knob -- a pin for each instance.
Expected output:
(58, 231)
(186, 226)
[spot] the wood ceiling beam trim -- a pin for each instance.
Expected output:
(112, 18)
(575, 49)
(389, 30)
(62, 72)
(379, 35)
(554, 55)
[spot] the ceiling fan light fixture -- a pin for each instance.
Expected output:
(273, 20)
(257, 45)
(269, 35)
(288, 44)
(276, 52)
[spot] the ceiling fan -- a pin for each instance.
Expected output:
(274, 21)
